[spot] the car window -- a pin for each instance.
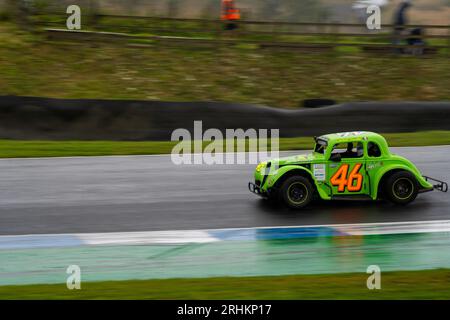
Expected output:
(320, 146)
(373, 149)
(349, 150)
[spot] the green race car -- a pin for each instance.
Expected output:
(349, 165)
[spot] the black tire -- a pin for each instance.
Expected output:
(401, 188)
(296, 192)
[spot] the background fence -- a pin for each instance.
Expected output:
(299, 24)
(294, 35)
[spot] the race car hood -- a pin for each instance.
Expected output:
(298, 159)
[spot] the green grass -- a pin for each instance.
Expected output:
(32, 148)
(245, 74)
(430, 284)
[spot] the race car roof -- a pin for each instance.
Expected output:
(351, 136)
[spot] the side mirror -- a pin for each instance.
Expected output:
(336, 157)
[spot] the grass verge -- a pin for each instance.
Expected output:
(245, 74)
(429, 284)
(32, 148)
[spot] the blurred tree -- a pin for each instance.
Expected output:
(269, 9)
(304, 11)
(173, 8)
(211, 9)
(18, 11)
(292, 10)
(93, 12)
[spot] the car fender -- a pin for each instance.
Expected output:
(375, 183)
(279, 173)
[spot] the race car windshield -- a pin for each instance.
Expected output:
(320, 146)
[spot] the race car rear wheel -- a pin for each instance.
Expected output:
(296, 192)
(401, 187)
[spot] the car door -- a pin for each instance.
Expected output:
(375, 161)
(347, 175)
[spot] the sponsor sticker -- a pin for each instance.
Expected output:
(319, 171)
(350, 134)
(374, 165)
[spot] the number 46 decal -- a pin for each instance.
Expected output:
(341, 180)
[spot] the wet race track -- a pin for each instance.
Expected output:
(145, 193)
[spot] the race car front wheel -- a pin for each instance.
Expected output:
(296, 192)
(401, 187)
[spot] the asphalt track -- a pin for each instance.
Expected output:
(144, 193)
